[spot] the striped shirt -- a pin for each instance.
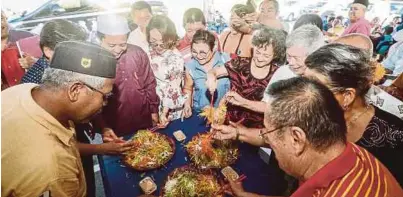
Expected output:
(354, 173)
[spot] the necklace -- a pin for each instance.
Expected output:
(355, 117)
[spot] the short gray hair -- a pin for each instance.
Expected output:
(58, 78)
(307, 36)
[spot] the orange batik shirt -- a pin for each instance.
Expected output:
(354, 173)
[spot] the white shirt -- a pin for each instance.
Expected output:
(394, 61)
(136, 37)
(282, 73)
(378, 97)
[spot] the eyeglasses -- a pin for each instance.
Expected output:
(202, 54)
(105, 96)
(261, 133)
(154, 45)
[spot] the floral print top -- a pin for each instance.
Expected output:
(169, 71)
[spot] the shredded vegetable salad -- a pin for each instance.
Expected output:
(189, 182)
(215, 115)
(204, 154)
(151, 150)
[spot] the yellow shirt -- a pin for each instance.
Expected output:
(338, 30)
(38, 155)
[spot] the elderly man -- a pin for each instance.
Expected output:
(313, 148)
(358, 23)
(135, 104)
(141, 15)
(40, 156)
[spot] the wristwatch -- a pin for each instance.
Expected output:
(237, 134)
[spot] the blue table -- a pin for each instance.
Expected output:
(122, 181)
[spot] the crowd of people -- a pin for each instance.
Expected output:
(325, 97)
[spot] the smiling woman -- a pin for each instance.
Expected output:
(205, 58)
(250, 76)
(168, 67)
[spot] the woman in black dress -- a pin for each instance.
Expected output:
(347, 73)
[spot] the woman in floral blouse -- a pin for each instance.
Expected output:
(168, 66)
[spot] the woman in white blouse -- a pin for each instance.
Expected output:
(168, 66)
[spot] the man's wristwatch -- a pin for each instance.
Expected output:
(237, 134)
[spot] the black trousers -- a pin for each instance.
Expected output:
(88, 163)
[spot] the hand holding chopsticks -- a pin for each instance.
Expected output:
(235, 186)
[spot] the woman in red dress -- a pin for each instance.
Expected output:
(250, 76)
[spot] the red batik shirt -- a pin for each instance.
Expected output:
(11, 71)
(242, 82)
(354, 173)
(134, 94)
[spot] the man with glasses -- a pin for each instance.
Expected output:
(305, 127)
(40, 154)
(358, 23)
(135, 103)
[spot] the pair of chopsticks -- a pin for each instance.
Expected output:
(215, 131)
(227, 186)
(154, 128)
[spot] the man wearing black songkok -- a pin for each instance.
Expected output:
(39, 152)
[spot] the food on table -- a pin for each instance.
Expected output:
(147, 185)
(179, 135)
(215, 115)
(230, 173)
(206, 153)
(151, 150)
(190, 182)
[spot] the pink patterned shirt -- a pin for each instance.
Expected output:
(362, 26)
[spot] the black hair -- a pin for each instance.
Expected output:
(309, 105)
(60, 30)
(167, 29)
(139, 5)
(204, 36)
(265, 36)
(193, 15)
(241, 10)
(313, 19)
(388, 30)
(345, 67)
